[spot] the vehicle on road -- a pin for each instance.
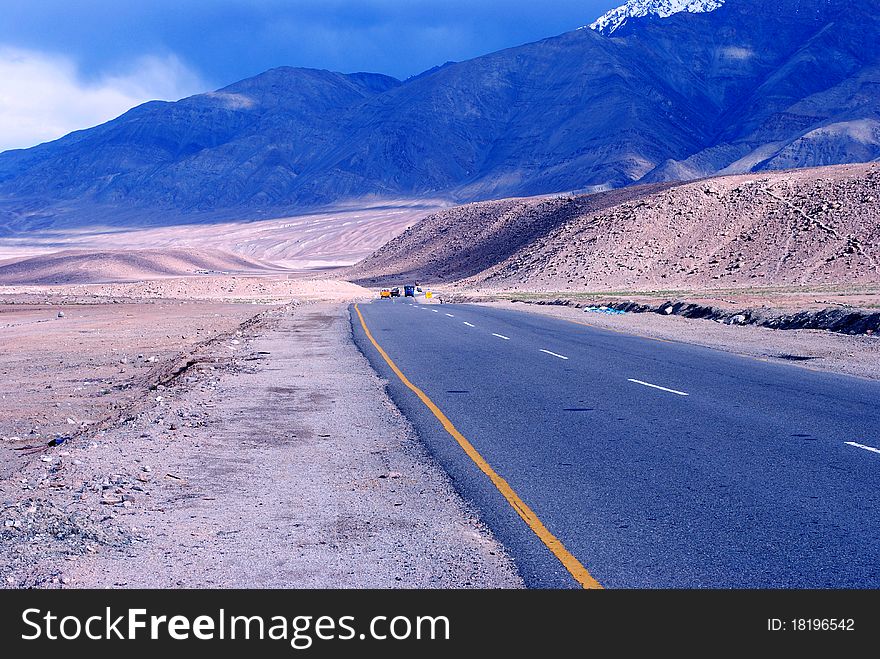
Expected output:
(409, 291)
(386, 293)
(395, 292)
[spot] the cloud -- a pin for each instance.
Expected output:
(44, 96)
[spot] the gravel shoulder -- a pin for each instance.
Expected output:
(273, 459)
(812, 349)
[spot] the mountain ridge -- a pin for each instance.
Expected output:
(685, 96)
(792, 228)
(614, 19)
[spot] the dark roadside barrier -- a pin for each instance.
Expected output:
(840, 320)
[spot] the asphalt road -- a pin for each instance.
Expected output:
(655, 464)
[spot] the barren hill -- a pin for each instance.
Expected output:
(815, 226)
(83, 267)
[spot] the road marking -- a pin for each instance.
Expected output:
(654, 386)
(435, 311)
(572, 564)
(469, 325)
(501, 336)
(867, 448)
(450, 315)
(554, 354)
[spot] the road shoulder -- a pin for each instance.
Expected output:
(814, 349)
(287, 467)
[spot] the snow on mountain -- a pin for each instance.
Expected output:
(733, 90)
(608, 23)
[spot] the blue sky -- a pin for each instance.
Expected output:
(226, 40)
(68, 64)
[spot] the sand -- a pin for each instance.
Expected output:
(215, 444)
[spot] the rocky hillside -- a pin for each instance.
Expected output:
(814, 226)
(678, 90)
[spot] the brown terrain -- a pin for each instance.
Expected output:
(185, 406)
(326, 238)
(796, 229)
(75, 267)
(214, 431)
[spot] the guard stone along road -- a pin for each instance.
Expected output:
(651, 464)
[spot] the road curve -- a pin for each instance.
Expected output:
(652, 463)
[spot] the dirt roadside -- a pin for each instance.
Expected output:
(814, 349)
(274, 459)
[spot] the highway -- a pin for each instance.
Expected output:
(638, 463)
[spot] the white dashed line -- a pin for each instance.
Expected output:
(862, 446)
(450, 315)
(554, 354)
(654, 386)
(435, 311)
(501, 336)
(469, 325)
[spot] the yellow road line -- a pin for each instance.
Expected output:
(574, 567)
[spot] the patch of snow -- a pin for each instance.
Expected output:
(737, 53)
(613, 20)
(232, 101)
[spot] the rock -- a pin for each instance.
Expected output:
(739, 319)
(61, 314)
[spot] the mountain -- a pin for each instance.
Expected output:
(668, 90)
(241, 146)
(805, 227)
(612, 20)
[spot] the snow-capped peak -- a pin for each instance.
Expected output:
(616, 18)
